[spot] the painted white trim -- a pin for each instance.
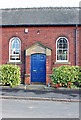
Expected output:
(9, 49)
(56, 50)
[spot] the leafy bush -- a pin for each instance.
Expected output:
(67, 76)
(10, 75)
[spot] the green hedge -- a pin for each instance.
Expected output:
(10, 75)
(67, 75)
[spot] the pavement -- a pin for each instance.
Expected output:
(40, 92)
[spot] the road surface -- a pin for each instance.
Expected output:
(38, 109)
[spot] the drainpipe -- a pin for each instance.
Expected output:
(76, 42)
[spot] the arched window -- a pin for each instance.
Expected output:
(62, 49)
(15, 50)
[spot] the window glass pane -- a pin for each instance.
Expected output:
(64, 41)
(60, 45)
(60, 41)
(64, 46)
(63, 57)
(15, 44)
(59, 57)
(59, 51)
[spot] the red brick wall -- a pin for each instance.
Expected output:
(47, 36)
(0, 46)
(79, 48)
(27, 69)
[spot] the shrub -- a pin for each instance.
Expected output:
(10, 75)
(67, 75)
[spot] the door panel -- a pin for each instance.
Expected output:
(38, 68)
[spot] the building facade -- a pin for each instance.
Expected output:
(38, 39)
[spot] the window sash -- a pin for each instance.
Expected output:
(15, 50)
(62, 49)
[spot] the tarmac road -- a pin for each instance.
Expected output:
(39, 109)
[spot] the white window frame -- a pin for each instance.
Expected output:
(10, 49)
(67, 51)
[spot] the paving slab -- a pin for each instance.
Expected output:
(40, 91)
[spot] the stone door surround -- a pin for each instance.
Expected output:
(35, 49)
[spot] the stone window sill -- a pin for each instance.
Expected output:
(17, 63)
(61, 63)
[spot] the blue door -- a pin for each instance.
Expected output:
(38, 68)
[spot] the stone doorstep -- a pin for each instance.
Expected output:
(34, 86)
